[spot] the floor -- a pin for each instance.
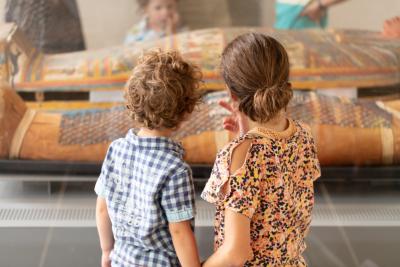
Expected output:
(46, 226)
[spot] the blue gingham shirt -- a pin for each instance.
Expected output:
(142, 32)
(146, 185)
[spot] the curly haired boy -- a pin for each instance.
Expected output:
(145, 204)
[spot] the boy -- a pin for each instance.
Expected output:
(145, 202)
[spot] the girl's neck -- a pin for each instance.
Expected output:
(145, 132)
(278, 123)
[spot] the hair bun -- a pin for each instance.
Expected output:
(269, 100)
(274, 88)
(285, 86)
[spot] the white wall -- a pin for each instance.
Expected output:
(2, 4)
(363, 14)
(105, 22)
(358, 14)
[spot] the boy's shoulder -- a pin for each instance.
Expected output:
(161, 155)
(177, 165)
(118, 143)
(138, 27)
(135, 29)
(137, 32)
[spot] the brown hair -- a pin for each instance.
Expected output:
(143, 3)
(255, 68)
(163, 89)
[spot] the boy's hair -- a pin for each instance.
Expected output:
(143, 3)
(163, 89)
(255, 68)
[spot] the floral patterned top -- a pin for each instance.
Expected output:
(274, 188)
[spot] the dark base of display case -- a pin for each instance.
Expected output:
(200, 172)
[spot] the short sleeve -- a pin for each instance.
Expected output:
(219, 176)
(312, 167)
(313, 163)
(178, 197)
(244, 189)
(100, 187)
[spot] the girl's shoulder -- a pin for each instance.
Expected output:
(230, 159)
(241, 145)
(304, 134)
(302, 127)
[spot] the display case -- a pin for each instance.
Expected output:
(59, 112)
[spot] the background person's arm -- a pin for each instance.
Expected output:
(105, 232)
(328, 3)
(316, 9)
(391, 27)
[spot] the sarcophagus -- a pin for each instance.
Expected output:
(319, 59)
(348, 132)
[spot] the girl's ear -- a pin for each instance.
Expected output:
(232, 96)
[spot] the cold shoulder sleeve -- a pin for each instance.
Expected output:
(243, 188)
(238, 191)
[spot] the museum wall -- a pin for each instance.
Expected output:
(105, 22)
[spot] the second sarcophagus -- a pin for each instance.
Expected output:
(319, 59)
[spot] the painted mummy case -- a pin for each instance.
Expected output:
(348, 132)
(319, 59)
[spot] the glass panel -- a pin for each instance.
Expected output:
(65, 69)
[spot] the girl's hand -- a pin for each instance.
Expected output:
(105, 259)
(236, 122)
(313, 11)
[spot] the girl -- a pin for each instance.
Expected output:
(262, 181)
(161, 18)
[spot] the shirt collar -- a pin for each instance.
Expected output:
(145, 29)
(155, 143)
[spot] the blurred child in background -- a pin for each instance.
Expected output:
(160, 18)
